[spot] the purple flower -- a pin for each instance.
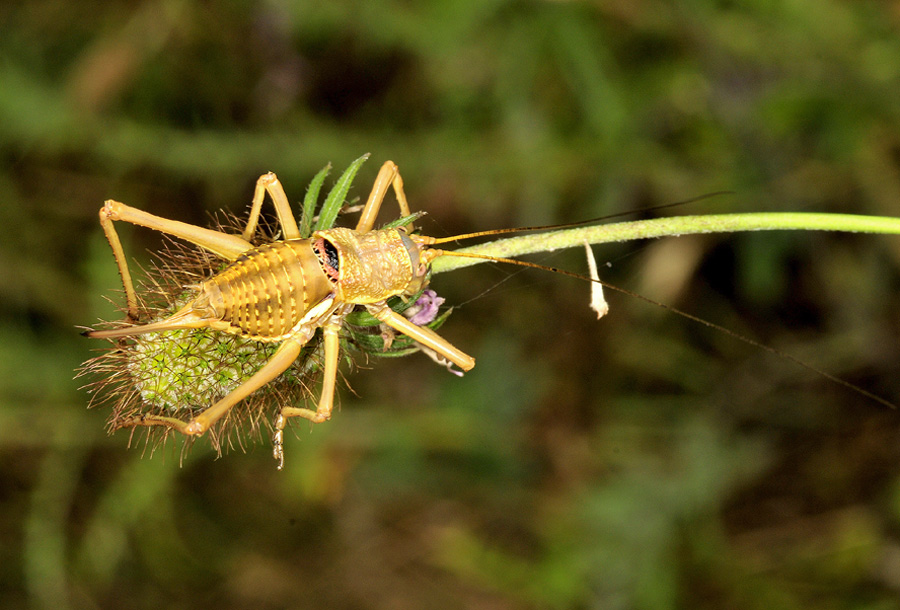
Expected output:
(425, 309)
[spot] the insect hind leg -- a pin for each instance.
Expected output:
(112, 236)
(222, 244)
(283, 357)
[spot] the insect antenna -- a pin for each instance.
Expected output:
(487, 233)
(833, 378)
(652, 208)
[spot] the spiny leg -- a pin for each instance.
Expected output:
(283, 357)
(227, 246)
(388, 175)
(326, 401)
(115, 243)
(270, 183)
(423, 335)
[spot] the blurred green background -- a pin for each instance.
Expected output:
(641, 461)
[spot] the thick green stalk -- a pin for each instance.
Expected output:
(660, 227)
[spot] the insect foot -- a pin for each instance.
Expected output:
(194, 428)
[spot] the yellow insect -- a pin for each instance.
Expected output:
(282, 292)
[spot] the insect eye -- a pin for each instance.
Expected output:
(328, 258)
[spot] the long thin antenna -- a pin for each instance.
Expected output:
(567, 225)
(833, 378)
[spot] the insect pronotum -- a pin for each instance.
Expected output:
(284, 291)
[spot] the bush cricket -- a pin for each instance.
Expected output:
(281, 292)
(284, 291)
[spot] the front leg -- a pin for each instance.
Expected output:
(423, 335)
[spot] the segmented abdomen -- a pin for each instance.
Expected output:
(265, 292)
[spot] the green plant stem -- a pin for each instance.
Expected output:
(661, 227)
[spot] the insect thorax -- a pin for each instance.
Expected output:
(375, 265)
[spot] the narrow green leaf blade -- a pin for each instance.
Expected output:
(338, 195)
(309, 201)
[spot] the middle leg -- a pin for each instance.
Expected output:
(388, 175)
(323, 410)
(269, 183)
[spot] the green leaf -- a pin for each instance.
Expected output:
(338, 195)
(404, 220)
(309, 201)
